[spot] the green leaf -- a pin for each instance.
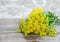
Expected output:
(52, 18)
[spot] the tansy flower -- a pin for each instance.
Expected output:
(28, 25)
(43, 26)
(26, 33)
(44, 33)
(31, 30)
(34, 28)
(37, 23)
(36, 32)
(42, 19)
(39, 10)
(23, 30)
(37, 17)
(30, 15)
(33, 19)
(34, 10)
(41, 33)
(29, 18)
(23, 21)
(46, 24)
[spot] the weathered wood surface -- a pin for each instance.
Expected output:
(18, 37)
(9, 32)
(17, 8)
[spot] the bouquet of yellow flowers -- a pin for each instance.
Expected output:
(38, 23)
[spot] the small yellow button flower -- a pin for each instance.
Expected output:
(34, 28)
(33, 19)
(29, 18)
(25, 33)
(44, 33)
(37, 23)
(28, 31)
(38, 26)
(23, 21)
(23, 30)
(31, 30)
(41, 33)
(39, 10)
(46, 24)
(35, 9)
(37, 17)
(36, 32)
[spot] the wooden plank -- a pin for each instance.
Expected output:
(13, 28)
(9, 21)
(9, 33)
(10, 25)
(18, 37)
(57, 27)
(12, 37)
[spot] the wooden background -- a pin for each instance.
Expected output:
(9, 32)
(10, 13)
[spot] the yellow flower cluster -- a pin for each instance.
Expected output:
(36, 23)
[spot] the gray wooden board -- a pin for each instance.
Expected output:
(19, 37)
(16, 8)
(9, 32)
(10, 25)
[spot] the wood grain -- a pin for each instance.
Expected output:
(19, 37)
(9, 33)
